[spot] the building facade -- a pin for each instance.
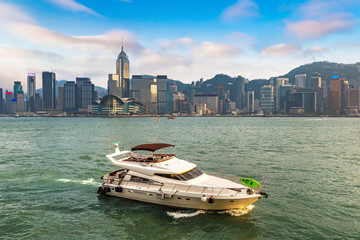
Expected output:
(335, 95)
(49, 98)
(31, 88)
(267, 99)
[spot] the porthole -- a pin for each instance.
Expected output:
(188, 199)
(179, 197)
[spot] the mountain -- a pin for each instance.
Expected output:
(328, 69)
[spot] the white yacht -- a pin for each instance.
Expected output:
(167, 180)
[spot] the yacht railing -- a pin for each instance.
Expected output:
(180, 188)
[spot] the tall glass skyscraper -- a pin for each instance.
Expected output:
(31, 81)
(17, 89)
(49, 98)
(123, 70)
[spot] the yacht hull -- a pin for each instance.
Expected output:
(179, 200)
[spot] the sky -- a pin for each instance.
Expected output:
(185, 40)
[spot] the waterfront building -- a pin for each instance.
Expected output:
(353, 100)
(267, 99)
(70, 97)
(164, 96)
(31, 88)
(2, 105)
(123, 71)
(284, 92)
(38, 102)
(315, 81)
(20, 102)
(237, 93)
(221, 95)
(306, 101)
(250, 97)
(344, 93)
(152, 92)
(114, 87)
(84, 93)
(17, 88)
(48, 83)
(207, 102)
(279, 82)
(178, 100)
(61, 99)
(114, 105)
(300, 81)
(335, 94)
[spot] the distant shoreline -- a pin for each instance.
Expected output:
(174, 116)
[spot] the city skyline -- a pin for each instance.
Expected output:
(185, 40)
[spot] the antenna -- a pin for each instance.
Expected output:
(122, 43)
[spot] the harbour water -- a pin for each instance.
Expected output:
(50, 170)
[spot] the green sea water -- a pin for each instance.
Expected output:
(50, 170)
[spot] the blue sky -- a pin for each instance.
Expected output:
(187, 40)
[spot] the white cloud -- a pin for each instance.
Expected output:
(215, 51)
(73, 6)
(314, 29)
(242, 8)
(281, 49)
(320, 18)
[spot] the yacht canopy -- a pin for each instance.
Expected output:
(151, 146)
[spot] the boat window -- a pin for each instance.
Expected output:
(139, 179)
(193, 173)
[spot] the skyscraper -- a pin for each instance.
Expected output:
(17, 88)
(31, 82)
(8, 101)
(2, 110)
(60, 99)
(267, 99)
(84, 93)
(300, 81)
(153, 93)
(335, 94)
(239, 88)
(123, 70)
(49, 98)
(70, 97)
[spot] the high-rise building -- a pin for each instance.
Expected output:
(60, 99)
(2, 107)
(284, 93)
(123, 71)
(17, 88)
(20, 102)
(300, 81)
(70, 97)
(49, 98)
(114, 87)
(31, 87)
(239, 89)
(250, 98)
(162, 94)
(335, 94)
(279, 82)
(8, 99)
(315, 81)
(153, 93)
(38, 102)
(344, 93)
(208, 103)
(84, 93)
(353, 99)
(267, 99)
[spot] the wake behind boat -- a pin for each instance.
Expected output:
(167, 180)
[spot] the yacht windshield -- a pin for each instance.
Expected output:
(193, 173)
